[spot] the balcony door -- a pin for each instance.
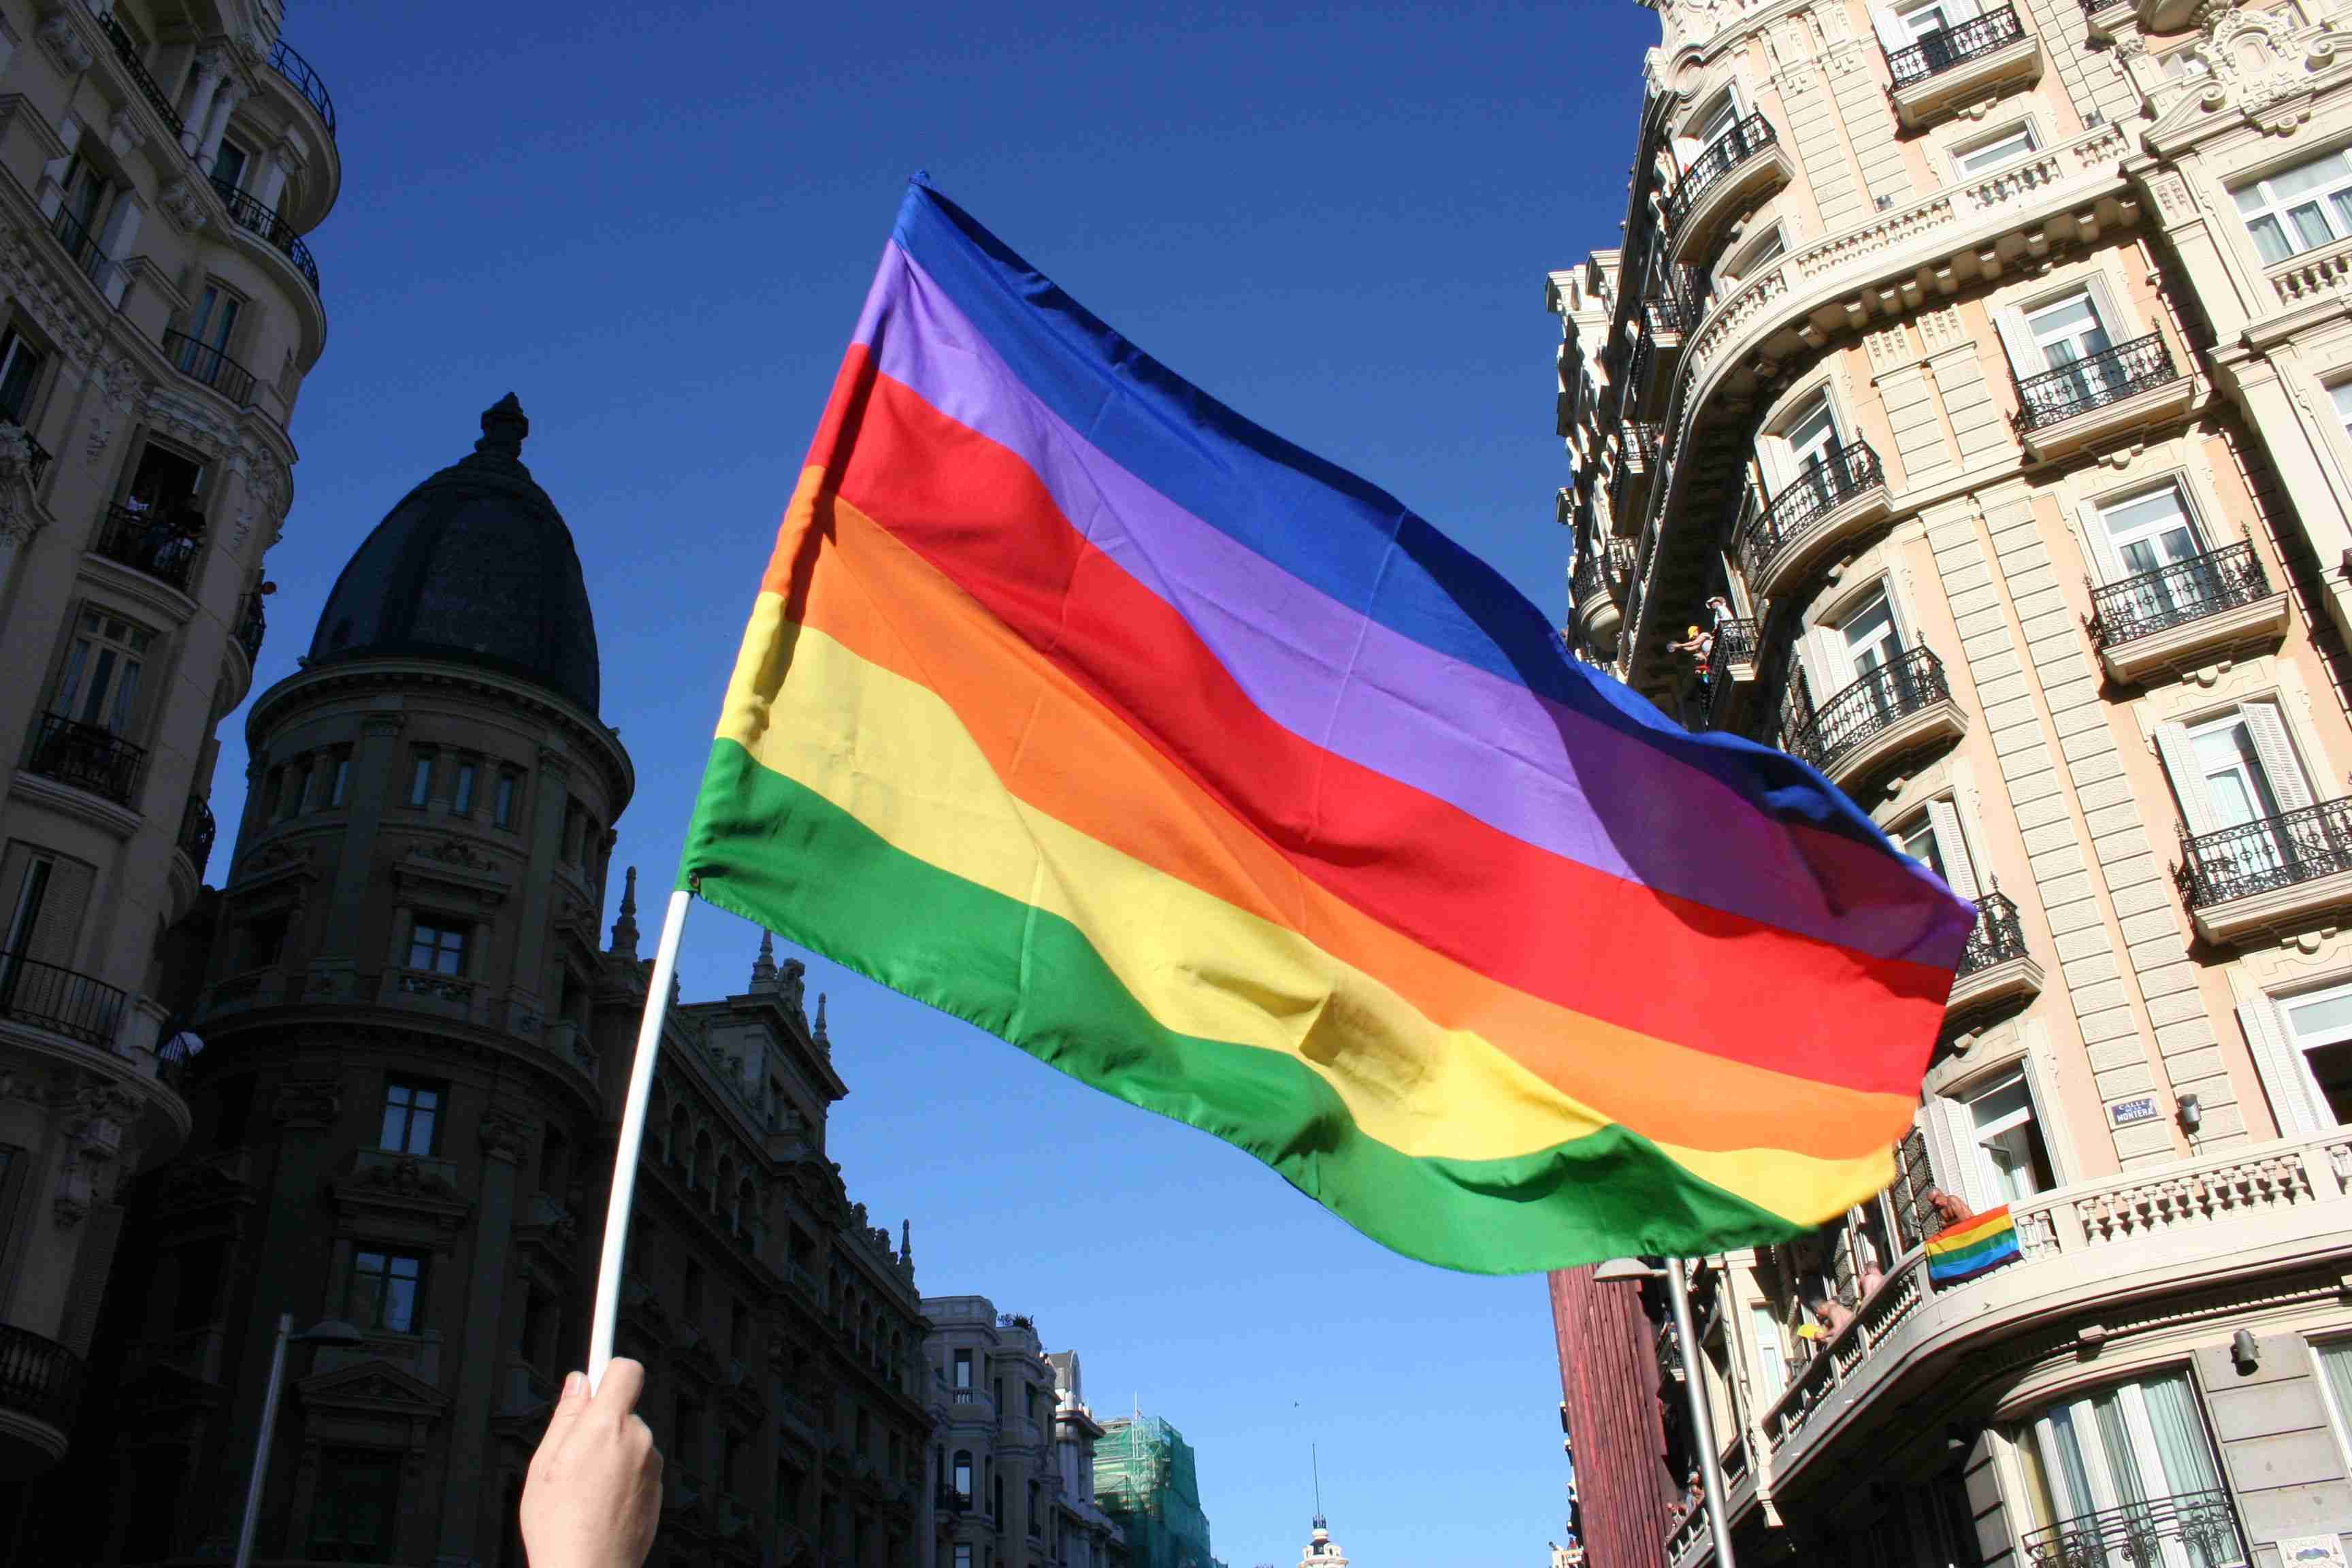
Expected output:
(2012, 1157)
(1804, 456)
(2320, 1030)
(100, 686)
(1860, 653)
(208, 334)
(2239, 788)
(2128, 1478)
(20, 365)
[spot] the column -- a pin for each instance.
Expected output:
(211, 71)
(223, 106)
(469, 1509)
(2279, 396)
(551, 794)
(374, 767)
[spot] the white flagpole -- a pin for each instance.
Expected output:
(632, 1141)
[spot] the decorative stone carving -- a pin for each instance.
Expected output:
(2251, 62)
(120, 390)
(454, 851)
(308, 1103)
(406, 1175)
(183, 205)
(43, 294)
(18, 521)
(506, 1136)
(124, 135)
(61, 40)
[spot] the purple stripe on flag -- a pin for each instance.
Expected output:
(1494, 749)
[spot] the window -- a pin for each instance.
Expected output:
(738, 1331)
(265, 939)
(99, 684)
(1936, 16)
(503, 804)
(2145, 533)
(963, 1369)
(210, 326)
(298, 787)
(1036, 1525)
(462, 802)
(1755, 255)
(690, 1287)
(196, 1302)
(2140, 1442)
(2299, 208)
(963, 1474)
(420, 777)
(2067, 330)
(2319, 1028)
(353, 1505)
(687, 1434)
(1716, 121)
(20, 365)
(2000, 147)
(2335, 1377)
(339, 778)
(411, 1117)
(1934, 839)
(2237, 787)
(229, 164)
(2007, 1140)
(88, 198)
(385, 1290)
(963, 1554)
(436, 949)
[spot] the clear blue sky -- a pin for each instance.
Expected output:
(657, 229)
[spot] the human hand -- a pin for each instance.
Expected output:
(593, 1493)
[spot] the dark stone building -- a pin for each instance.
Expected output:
(415, 1051)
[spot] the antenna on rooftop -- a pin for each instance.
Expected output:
(1316, 1460)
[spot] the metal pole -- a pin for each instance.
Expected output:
(261, 1443)
(632, 1140)
(1710, 1471)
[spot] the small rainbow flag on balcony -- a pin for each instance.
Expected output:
(1081, 708)
(1972, 1247)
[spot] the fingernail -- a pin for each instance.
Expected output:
(573, 1382)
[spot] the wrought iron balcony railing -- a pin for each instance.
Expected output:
(1664, 313)
(150, 89)
(2203, 1523)
(1912, 680)
(1727, 153)
(2176, 595)
(250, 215)
(1735, 643)
(164, 546)
(2264, 856)
(87, 757)
(201, 362)
(87, 258)
(296, 70)
(1644, 433)
(252, 622)
(39, 1378)
(1956, 44)
(1997, 936)
(1646, 353)
(61, 999)
(1587, 585)
(1844, 473)
(196, 830)
(2093, 381)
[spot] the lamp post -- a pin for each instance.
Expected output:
(330, 1332)
(1710, 1467)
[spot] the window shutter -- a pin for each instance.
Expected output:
(1952, 1151)
(1686, 150)
(1959, 873)
(2286, 1079)
(2188, 784)
(2100, 544)
(1825, 662)
(1892, 36)
(2279, 764)
(57, 928)
(2017, 340)
(2049, 1114)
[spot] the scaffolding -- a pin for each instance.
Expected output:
(1144, 1479)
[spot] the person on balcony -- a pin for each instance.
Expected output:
(1831, 1313)
(1948, 1210)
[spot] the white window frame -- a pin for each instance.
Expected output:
(2339, 1421)
(1823, 647)
(1964, 150)
(1687, 143)
(125, 710)
(2017, 338)
(1757, 250)
(2027, 1116)
(2099, 540)
(1941, 820)
(2283, 765)
(2139, 1428)
(2268, 205)
(1897, 26)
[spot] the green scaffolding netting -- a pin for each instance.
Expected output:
(1144, 1479)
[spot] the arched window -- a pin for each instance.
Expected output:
(704, 1168)
(681, 1142)
(722, 1190)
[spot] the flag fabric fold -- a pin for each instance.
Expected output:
(1080, 708)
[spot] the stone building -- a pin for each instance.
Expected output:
(415, 1047)
(1964, 412)
(1013, 1458)
(1623, 1475)
(159, 310)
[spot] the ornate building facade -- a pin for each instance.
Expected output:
(1965, 411)
(415, 1050)
(159, 310)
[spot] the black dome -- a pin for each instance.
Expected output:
(475, 566)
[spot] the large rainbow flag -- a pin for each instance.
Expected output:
(1079, 707)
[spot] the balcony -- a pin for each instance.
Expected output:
(83, 250)
(297, 72)
(252, 622)
(2203, 1523)
(1596, 616)
(40, 1388)
(2270, 875)
(1900, 708)
(207, 366)
(88, 757)
(147, 540)
(149, 88)
(265, 224)
(1730, 667)
(1995, 967)
(197, 831)
(2126, 388)
(1960, 65)
(62, 1001)
(2183, 616)
(1832, 504)
(1742, 165)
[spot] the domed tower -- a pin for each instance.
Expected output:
(397, 1062)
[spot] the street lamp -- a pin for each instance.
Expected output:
(1624, 1271)
(332, 1331)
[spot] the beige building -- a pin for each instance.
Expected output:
(159, 165)
(1965, 413)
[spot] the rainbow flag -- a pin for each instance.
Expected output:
(1078, 706)
(1971, 1247)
